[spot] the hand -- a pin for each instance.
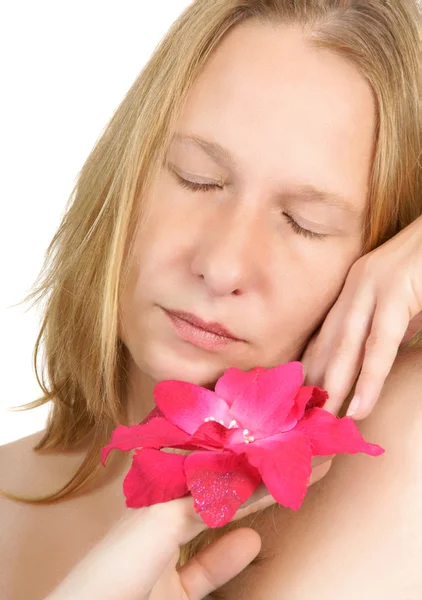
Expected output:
(378, 309)
(137, 559)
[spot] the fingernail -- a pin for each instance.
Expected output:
(354, 405)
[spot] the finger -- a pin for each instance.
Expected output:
(219, 562)
(388, 328)
(325, 338)
(129, 559)
(196, 582)
(308, 354)
(336, 362)
(343, 364)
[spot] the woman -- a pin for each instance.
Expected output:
(265, 147)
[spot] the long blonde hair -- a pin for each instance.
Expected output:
(87, 260)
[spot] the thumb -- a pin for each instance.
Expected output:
(219, 562)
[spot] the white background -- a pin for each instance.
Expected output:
(65, 67)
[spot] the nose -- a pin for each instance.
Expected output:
(229, 252)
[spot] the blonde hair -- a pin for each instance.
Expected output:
(87, 260)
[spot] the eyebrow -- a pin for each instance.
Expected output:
(307, 192)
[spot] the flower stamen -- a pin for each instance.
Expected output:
(248, 438)
(214, 419)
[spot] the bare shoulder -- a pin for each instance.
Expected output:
(41, 543)
(31, 534)
(15, 467)
(19, 470)
(406, 372)
(401, 394)
(358, 517)
(14, 457)
(409, 359)
(396, 420)
(23, 526)
(23, 471)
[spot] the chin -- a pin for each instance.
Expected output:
(161, 362)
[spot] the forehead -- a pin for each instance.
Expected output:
(287, 112)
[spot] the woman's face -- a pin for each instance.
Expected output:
(297, 126)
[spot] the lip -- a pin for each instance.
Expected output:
(196, 335)
(212, 327)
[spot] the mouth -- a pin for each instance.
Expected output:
(211, 327)
(208, 335)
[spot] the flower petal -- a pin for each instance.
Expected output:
(308, 396)
(220, 482)
(211, 436)
(318, 399)
(329, 434)
(262, 406)
(154, 477)
(233, 382)
(284, 462)
(156, 433)
(187, 405)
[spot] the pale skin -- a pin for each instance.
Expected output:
(359, 532)
(231, 254)
(378, 309)
(137, 559)
(314, 129)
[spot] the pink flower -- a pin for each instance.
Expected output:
(257, 426)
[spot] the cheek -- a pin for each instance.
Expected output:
(169, 233)
(320, 298)
(160, 245)
(154, 250)
(323, 276)
(303, 299)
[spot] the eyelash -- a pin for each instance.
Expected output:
(198, 187)
(208, 187)
(305, 232)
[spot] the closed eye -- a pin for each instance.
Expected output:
(207, 187)
(198, 187)
(304, 232)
